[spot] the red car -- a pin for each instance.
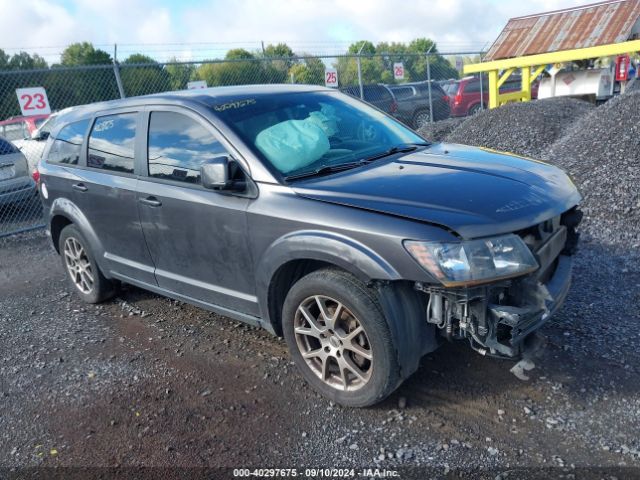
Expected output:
(464, 95)
(19, 128)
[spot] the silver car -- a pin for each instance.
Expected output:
(16, 184)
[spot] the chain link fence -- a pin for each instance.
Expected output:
(415, 88)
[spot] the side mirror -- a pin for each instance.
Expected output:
(215, 175)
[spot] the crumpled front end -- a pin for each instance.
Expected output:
(497, 318)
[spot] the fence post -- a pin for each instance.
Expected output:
(360, 72)
(429, 84)
(116, 72)
(481, 88)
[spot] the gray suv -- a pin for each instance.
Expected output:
(316, 216)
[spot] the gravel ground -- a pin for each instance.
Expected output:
(146, 381)
(437, 131)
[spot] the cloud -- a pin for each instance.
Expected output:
(307, 25)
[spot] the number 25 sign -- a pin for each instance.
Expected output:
(331, 77)
(33, 101)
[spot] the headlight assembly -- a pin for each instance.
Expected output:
(474, 261)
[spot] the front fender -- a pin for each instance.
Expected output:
(339, 250)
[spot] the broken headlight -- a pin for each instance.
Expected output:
(474, 261)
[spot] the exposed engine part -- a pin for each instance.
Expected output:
(500, 319)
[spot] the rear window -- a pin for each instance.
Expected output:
(14, 131)
(67, 145)
(7, 148)
(111, 143)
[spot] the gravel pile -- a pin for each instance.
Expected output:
(437, 131)
(523, 128)
(599, 148)
(601, 152)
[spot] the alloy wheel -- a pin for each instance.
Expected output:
(78, 265)
(333, 343)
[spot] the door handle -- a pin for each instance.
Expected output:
(151, 201)
(81, 187)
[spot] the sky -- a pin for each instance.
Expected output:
(195, 30)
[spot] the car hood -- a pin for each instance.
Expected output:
(474, 192)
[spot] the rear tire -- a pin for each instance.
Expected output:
(81, 268)
(477, 108)
(339, 338)
(420, 119)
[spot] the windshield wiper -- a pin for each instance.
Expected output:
(403, 148)
(323, 170)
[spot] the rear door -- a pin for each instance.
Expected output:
(198, 238)
(106, 193)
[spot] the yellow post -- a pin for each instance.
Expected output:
(493, 88)
(526, 84)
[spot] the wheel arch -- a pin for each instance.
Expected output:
(291, 257)
(63, 212)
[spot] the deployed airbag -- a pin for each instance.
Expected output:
(293, 144)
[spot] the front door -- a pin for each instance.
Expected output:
(197, 237)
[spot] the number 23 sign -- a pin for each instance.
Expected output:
(33, 101)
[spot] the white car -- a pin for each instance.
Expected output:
(33, 147)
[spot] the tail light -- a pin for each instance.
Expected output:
(36, 175)
(394, 107)
(458, 99)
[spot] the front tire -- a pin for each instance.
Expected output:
(339, 338)
(82, 270)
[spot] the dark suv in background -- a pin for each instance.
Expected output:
(380, 96)
(413, 103)
(315, 216)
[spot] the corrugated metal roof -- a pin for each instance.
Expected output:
(579, 27)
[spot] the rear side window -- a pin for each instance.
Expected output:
(178, 146)
(112, 141)
(67, 145)
(7, 147)
(403, 92)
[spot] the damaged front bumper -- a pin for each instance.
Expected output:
(497, 319)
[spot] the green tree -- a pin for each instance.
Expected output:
(24, 61)
(241, 69)
(180, 74)
(309, 70)
(4, 60)
(84, 53)
(239, 54)
(142, 75)
(278, 60)
(280, 50)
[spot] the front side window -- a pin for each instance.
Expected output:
(178, 146)
(302, 132)
(67, 145)
(112, 141)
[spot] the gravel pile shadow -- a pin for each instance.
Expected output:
(522, 128)
(437, 131)
(601, 152)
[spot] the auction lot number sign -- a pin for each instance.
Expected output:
(398, 71)
(33, 101)
(330, 77)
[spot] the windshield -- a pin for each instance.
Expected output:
(296, 133)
